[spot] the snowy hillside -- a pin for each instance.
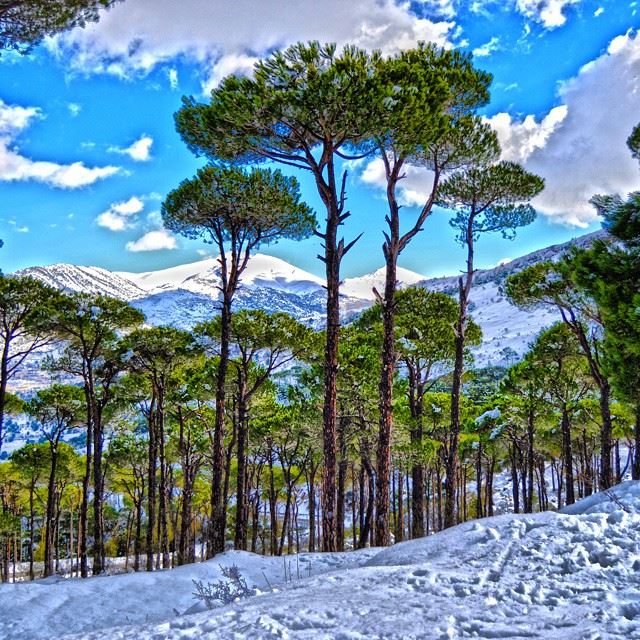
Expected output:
(571, 575)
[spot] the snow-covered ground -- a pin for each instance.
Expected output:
(572, 575)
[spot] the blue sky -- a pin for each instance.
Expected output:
(88, 148)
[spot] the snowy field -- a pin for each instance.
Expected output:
(572, 575)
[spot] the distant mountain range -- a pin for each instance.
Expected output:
(184, 295)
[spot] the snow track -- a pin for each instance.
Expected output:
(573, 576)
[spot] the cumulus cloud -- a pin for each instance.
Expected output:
(550, 13)
(119, 216)
(520, 138)
(14, 166)
(153, 241)
(579, 147)
(134, 37)
(487, 48)
(140, 150)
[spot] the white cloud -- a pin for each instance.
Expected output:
(519, 139)
(140, 150)
(488, 48)
(551, 13)
(23, 229)
(16, 167)
(135, 36)
(118, 217)
(579, 148)
(129, 207)
(444, 8)
(231, 64)
(74, 109)
(172, 75)
(414, 188)
(153, 241)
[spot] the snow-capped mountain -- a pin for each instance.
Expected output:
(363, 286)
(87, 279)
(203, 277)
(187, 294)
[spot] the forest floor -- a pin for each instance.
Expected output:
(570, 575)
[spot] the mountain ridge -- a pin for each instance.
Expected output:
(184, 295)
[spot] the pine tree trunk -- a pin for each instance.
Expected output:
(399, 532)
(342, 479)
(312, 507)
(83, 522)
(451, 466)
(606, 472)
(528, 508)
(240, 540)
(383, 456)
(329, 472)
(218, 512)
(151, 484)
(635, 472)
(567, 457)
(49, 539)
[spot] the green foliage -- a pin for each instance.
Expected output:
(89, 322)
(58, 406)
(157, 351)
(254, 331)
(490, 198)
(424, 325)
(621, 217)
(558, 357)
(221, 203)
(31, 461)
(633, 142)
(423, 106)
(304, 96)
(25, 23)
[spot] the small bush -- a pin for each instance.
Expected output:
(223, 591)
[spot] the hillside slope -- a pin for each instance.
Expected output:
(546, 575)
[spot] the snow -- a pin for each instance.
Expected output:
(570, 575)
(362, 286)
(203, 276)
